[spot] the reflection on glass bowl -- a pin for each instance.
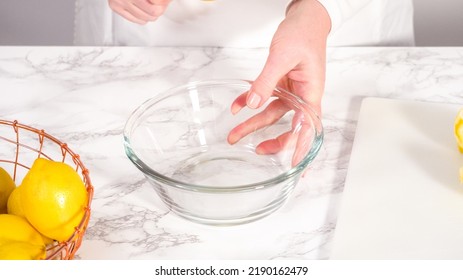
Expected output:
(178, 139)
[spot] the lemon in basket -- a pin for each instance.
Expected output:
(19, 240)
(53, 198)
(14, 207)
(14, 203)
(7, 185)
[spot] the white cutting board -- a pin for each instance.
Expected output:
(402, 197)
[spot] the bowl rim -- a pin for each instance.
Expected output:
(148, 171)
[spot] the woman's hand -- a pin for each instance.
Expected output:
(296, 62)
(139, 11)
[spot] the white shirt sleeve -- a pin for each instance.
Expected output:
(370, 22)
(341, 10)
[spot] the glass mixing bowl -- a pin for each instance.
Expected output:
(179, 140)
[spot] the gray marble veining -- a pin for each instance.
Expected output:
(84, 95)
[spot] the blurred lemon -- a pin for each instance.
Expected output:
(19, 240)
(459, 130)
(53, 197)
(7, 185)
(14, 206)
(459, 136)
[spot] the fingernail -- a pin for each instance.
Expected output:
(232, 138)
(253, 100)
(235, 109)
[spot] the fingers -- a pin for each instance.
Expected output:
(139, 14)
(139, 11)
(239, 103)
(130, 17)
(274, 146)
(272, 113)
(303, 143)
(276, 67)
(299, 137)
(159, 2)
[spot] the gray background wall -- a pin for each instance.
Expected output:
(50, 22)
(36, 22)
(438, 22)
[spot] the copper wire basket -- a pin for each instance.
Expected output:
(20, 145)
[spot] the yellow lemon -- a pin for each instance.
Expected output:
(14, 206)
(53, 198)
(459, 136)
(17, 228)
(7, 185)
(19, 239)
(21, 251)
(459, 130)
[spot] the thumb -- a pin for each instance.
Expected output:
(275, 68)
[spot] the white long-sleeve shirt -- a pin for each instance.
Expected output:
(370, 22)
(243, 23)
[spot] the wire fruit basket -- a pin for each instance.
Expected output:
(20, 145)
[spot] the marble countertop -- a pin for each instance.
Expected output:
(84, 95)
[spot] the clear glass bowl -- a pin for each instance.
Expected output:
(179, 141)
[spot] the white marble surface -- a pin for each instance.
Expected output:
(83, 96)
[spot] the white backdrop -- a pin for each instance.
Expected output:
(50, 22)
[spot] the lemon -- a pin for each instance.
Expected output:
(21, 251)
(17, 228)
(459, 136)
(7, 185)
(19, 240)
(459, 130)
(14, 203)
(53, 198)
(15, 208)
